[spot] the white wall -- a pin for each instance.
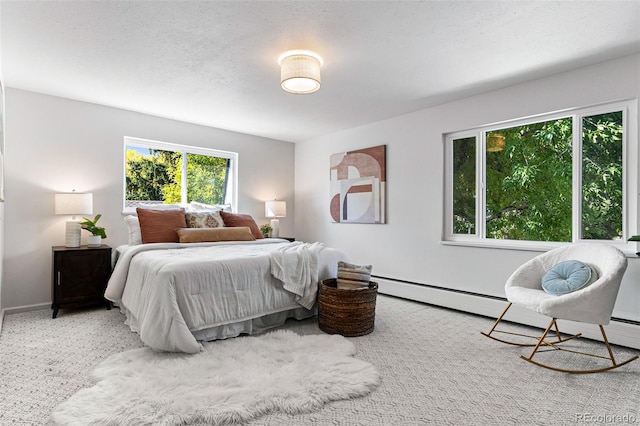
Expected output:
(1, 203)
(408, 247)
(56, 145)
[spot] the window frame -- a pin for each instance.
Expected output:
(232, 182)
(630, 185)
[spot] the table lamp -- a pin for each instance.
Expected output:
(73, 203)
(275, 209)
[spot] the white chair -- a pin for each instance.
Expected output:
(592, 304)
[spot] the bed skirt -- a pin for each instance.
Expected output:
(253, 326)
(250, 326)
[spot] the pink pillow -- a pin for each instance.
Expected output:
(160, 226)
(236, 219)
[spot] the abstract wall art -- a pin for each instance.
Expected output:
(358, 182)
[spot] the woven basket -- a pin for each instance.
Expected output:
(346, 312)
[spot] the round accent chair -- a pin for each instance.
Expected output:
(583, 290)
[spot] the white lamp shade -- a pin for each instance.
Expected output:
(74, 203)
(275, 208)
(300, 71)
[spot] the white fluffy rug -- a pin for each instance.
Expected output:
(231, 381)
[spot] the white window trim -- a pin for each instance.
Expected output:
(630, 198)
(185, 149)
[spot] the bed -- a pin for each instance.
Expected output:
(178, 294)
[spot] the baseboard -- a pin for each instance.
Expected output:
(27, 308)
(619, 332)
(17, 309)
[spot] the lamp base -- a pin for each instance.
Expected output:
(72, 234)
(275, 228)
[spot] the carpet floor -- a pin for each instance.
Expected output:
(436, 369)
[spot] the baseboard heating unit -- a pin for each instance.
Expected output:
(619, 331)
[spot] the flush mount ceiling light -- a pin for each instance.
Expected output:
(300, 71)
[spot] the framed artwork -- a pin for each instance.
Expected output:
(358, 185)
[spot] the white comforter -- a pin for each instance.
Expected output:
(169, 290)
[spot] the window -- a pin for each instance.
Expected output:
(556, 178)
(163, 173)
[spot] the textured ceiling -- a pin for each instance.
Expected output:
(215, 63)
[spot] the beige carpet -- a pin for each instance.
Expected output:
(436, 369)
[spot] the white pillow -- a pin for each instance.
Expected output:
(159, 206)
(197, 207)
(133, 229)
(132, 210)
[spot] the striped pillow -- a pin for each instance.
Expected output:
(353, 277)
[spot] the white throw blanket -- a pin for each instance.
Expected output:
(296, 265)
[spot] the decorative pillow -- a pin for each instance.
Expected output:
(202, 235)
(159, 206)
(196, 207)
(133, 229)
(236, 219)
(353, 277)
(568, 276)
(159, 226)
(204, 220)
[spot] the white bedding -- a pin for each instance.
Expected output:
(171, 291)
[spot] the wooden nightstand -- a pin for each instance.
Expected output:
(80, 276)
(290, 239)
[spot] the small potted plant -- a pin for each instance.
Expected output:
(97, 232)
(266, 230)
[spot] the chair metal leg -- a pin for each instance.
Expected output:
(493, 330)
(542, 341)
(495, 324)
(541, 338)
